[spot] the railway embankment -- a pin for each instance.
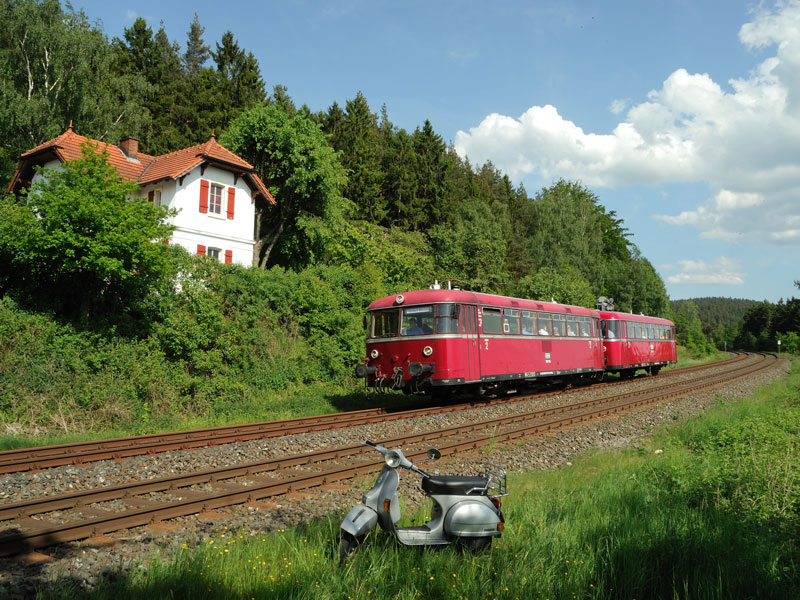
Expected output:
(84, 560)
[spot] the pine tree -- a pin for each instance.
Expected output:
(197, 51)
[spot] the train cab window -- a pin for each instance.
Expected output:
(511, 321)
(446, 318)
(417, 320)
(611, 329)
(492, 323)
(545, 324)
(528, 323)
(384, 323)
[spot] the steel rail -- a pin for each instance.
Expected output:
(42, 533)
(38, 458)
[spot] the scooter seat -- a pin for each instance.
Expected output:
(452, 484)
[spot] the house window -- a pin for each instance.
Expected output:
(213, 253)
(215, 199)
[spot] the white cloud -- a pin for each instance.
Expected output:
(743, 142)
(721, 271)
(619, 105)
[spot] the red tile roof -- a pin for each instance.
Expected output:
(146, 169)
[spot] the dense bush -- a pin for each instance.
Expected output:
(229, 336)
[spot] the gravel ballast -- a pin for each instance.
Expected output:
(84, 562)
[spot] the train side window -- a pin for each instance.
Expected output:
(511, 321)
(572, 325)
(446, 318)
(492, 323)
(584, 325)
(545, 324)
(528, 323)
(558, 325)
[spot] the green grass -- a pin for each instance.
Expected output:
(707, 508)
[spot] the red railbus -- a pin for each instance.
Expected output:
(436, 339)
(635, 342)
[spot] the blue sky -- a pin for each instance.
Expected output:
(681, 116)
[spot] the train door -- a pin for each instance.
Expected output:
(469, 328)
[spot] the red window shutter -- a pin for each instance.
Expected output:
(231, 196)
(228, 257)
(203, 196)
(150, 195)
(201, 250)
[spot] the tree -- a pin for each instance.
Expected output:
(82, 245)
(197, 51)
(239, 75)
(357, 138)
(293, 158)
(472, 248)
(566, 287)
(56, 68)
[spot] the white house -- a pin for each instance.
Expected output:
(215, 193)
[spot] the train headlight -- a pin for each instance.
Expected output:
(427, 351)
(374, 353)
(399, 299)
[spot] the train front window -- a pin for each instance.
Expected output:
(446, 318)
(384, 323)
(417, 320)
(610, 329)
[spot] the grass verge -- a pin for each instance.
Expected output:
(708, 508)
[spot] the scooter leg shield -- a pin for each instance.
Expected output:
(360, 520)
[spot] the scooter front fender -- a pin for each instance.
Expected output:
(360, 520)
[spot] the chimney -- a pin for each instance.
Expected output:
(129, 147)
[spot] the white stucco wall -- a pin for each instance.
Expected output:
(193, 228)
(210, 230)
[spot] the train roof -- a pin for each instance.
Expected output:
(466, 297)
(606, 314)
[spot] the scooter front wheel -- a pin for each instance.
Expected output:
(348, 544)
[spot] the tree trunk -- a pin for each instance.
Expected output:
(270, 240)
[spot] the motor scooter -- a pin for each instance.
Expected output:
(465, 509)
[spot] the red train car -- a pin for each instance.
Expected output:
(635, 342)
(433, 339)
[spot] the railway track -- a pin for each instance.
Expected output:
(40, 522)
(38, 458)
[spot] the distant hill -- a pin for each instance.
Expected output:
(717, 311)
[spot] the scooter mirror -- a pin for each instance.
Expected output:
(434, 454)
(392, 459)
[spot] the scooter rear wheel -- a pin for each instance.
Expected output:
(475, 544)
(348, 544)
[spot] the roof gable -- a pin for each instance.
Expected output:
(144, 169)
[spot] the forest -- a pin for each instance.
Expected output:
(364, 208)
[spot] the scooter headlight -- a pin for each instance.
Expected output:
(392, 459)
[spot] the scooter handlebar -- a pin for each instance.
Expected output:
(377, 447)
